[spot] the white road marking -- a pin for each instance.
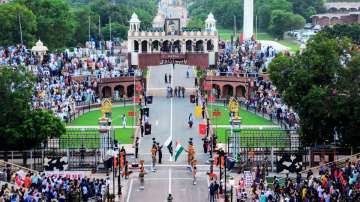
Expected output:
(171, 124)
(156, 122)
(175, 178)
(170, 180)
(167, 153)
(176, 165)
(128, 196)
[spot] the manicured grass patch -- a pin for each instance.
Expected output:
(76, 138)
(92, 118)
(293, 46)
(225, 34)
(248, 118)
(256, 137)
(124, 135)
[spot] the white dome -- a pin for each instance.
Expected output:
(39, 47)
(210, 18)
(134, 18)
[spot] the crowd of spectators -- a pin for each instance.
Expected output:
(249, 60)
(33, 187)
(332, 183)
(66, 78)
(267, 101)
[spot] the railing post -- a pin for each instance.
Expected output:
(31, 159)
(12, 156)
(272, 159)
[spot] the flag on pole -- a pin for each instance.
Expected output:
(168, 144)
(178, 150)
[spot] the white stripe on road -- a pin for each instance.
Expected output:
(128, 196)
(169, 180)
(166, 153)
(171, 124)
(176, 165)
(165, 178)
(96, 127)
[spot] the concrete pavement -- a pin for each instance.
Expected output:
(168, 117)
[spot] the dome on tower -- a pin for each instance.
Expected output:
(134, 18)
(210, 18)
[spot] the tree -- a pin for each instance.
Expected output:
(351, 31)
(117, 30)
(81, 26)
(263, 9)
(224, 11)
(195, 23)
(302, 7)
(55, 21)
(10, 14)
(322, 86)
(284, 21)
(21, 127)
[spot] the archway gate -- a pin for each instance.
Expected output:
(199, 59)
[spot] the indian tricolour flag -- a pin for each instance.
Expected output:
(178, 149)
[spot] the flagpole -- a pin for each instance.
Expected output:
(89, 29)
(21, 35)
(110, 28)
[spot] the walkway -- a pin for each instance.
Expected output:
(169, 118)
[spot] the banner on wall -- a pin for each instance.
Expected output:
(73, 175)
(56, 163)
(289, 163)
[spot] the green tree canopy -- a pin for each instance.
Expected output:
(263, 9)
(20, 126)
(351, 31)
(322, 84)
(224, 11)
(284, 21)
(195, 23)
(117, 30)
(10, 15)
(55, 21)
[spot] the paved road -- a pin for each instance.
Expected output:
(156, 84)
(169, 117)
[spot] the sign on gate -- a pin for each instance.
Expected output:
(248, 178)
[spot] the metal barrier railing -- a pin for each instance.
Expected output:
(339, 163)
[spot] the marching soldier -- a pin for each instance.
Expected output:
(153, 156)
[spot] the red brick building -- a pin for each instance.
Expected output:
(338, 13)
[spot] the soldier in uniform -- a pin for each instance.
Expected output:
(142, 175)
(191, 152)
(153, 156)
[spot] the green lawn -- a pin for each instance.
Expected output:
(293, 46)
(91, 118)
(257, 137)
(124, 135)
(225, 34)
(248, 118)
